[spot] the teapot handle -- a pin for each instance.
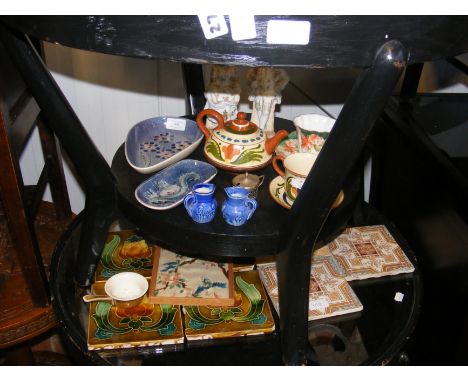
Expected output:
(212, 113)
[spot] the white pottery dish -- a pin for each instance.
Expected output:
(156, 143)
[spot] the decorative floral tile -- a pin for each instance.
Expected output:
(370, 251)
(110, 327)
(329, 293)
(249, 315)
(183, 280)
(125, 251)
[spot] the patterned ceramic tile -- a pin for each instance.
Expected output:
(125, 251)
(183, 280)
(110, 327)
(329, 293)
(249, 315)
(241, 267)
(371, 251)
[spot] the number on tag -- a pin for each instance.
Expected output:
(213, 25)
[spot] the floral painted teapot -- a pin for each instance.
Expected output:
(237, 145)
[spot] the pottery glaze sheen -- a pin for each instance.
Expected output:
(238, 207)
(237, 145)
(200, 203)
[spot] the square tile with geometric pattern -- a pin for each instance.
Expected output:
(369, 251)
(329, 293)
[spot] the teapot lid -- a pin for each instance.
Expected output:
(241, 125)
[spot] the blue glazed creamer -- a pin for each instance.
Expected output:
(200, 203)
(238, 207)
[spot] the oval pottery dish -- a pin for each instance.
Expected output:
(156, 143)
(168, 188)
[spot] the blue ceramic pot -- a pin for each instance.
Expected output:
(200, 203)
(238, 207)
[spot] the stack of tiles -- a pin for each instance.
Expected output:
(358, 253)
(188, 298)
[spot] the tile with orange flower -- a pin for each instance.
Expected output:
(125, 251)
(147, 324)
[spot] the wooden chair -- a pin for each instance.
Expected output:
(29, 227)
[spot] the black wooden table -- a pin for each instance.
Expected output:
(381, 46)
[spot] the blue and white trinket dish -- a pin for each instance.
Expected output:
(168, 188)
(156, 143)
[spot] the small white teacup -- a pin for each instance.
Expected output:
(125, 290)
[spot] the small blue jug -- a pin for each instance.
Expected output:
(238, 207)
(200, 203)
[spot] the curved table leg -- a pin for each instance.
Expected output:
(340, 152)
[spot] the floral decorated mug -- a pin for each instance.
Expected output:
(296, 168)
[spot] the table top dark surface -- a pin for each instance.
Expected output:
(335, 41)
(260, 236)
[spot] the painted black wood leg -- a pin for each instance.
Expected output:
(99, 215)
(410, 83)
(340, 152)
(194, 87)
(94, 171)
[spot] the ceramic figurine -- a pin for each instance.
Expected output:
(238, 207)
(223, 93)
(237, 145)
(200, 203)
(266, 85)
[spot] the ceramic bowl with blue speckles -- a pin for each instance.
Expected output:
(168, 188)
(156, 143)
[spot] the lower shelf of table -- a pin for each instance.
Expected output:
(373, 336)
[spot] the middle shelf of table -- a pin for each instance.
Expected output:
(260, 236)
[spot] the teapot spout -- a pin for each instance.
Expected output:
(270, 144)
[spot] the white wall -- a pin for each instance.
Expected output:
(110, 94)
